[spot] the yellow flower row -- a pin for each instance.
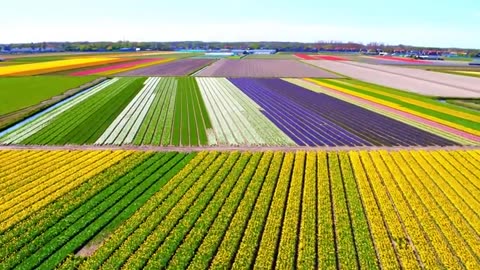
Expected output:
(308, 231)
(41, 177)
(31, 170)
(381, 237)
(13, 158)
(266, 251)
(454, 229)
(326, 238)
(401, 240)
(396, 106)
(74, 177)
(23, 161)
(22, 198)
(287, 248)
(460, 171)
(413, 219)
(456, 193)
(52, 66)
(246, 254)
(441, 109)
(468, 162)
(7, 157)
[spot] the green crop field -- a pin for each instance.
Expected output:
(22, 92)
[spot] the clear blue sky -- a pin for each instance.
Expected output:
(419, 22)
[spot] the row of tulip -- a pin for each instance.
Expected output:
(165, 203)
(406, 118)
(309, 210)
(185, 250)
(251, 238)
(236, 119)
(217, 189)
(58, 65)
(414, 100)
(115, 240)
(21, 174)
(46, 240)
(191, 119)
(48, 219)
(156, 129)
(24, 256)
(125, 126)
(228, 247)
(207, 249)
(82, 124)
(406, 214)
(467, 131)
(188, 208)
(434, 247)
(24, 201)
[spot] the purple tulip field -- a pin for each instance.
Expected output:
(263, 68)
(180, 67)
(314, 119)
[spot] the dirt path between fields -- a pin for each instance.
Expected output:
(230, 148)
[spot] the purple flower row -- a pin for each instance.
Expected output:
(176, 68)
(315, 119)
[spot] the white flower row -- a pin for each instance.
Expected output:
(124, 125)
(236, 119)
(33, 127)
(272, 134)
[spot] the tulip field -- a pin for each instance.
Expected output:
(28, 69)
(141, 161)
(207, 111)
(102, 209)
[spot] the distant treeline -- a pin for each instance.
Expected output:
(178, 45)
